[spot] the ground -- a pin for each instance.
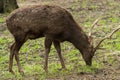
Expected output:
(106, 62)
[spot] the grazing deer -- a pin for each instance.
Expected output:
(52, 22)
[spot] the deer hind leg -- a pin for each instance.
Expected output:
(48, 43)
(17, 47)
(11, 58)
(58, 48)
(14, 51)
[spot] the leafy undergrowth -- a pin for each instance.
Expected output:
(105, 62)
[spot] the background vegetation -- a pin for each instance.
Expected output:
(106, 62)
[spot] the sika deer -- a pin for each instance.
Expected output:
(52, 22)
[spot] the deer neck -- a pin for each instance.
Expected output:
(79, 39)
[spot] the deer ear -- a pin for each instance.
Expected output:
(90, 39)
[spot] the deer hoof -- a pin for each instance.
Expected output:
(11, 71)
(21, 72)
(46, 70)
(63, 68)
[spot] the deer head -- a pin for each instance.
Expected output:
(93, 49)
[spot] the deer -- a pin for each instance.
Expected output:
(54, 23)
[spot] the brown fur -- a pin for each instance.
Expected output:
(52, 22)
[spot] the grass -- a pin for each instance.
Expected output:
(2, 20)
(33, 63)
(31, 53)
